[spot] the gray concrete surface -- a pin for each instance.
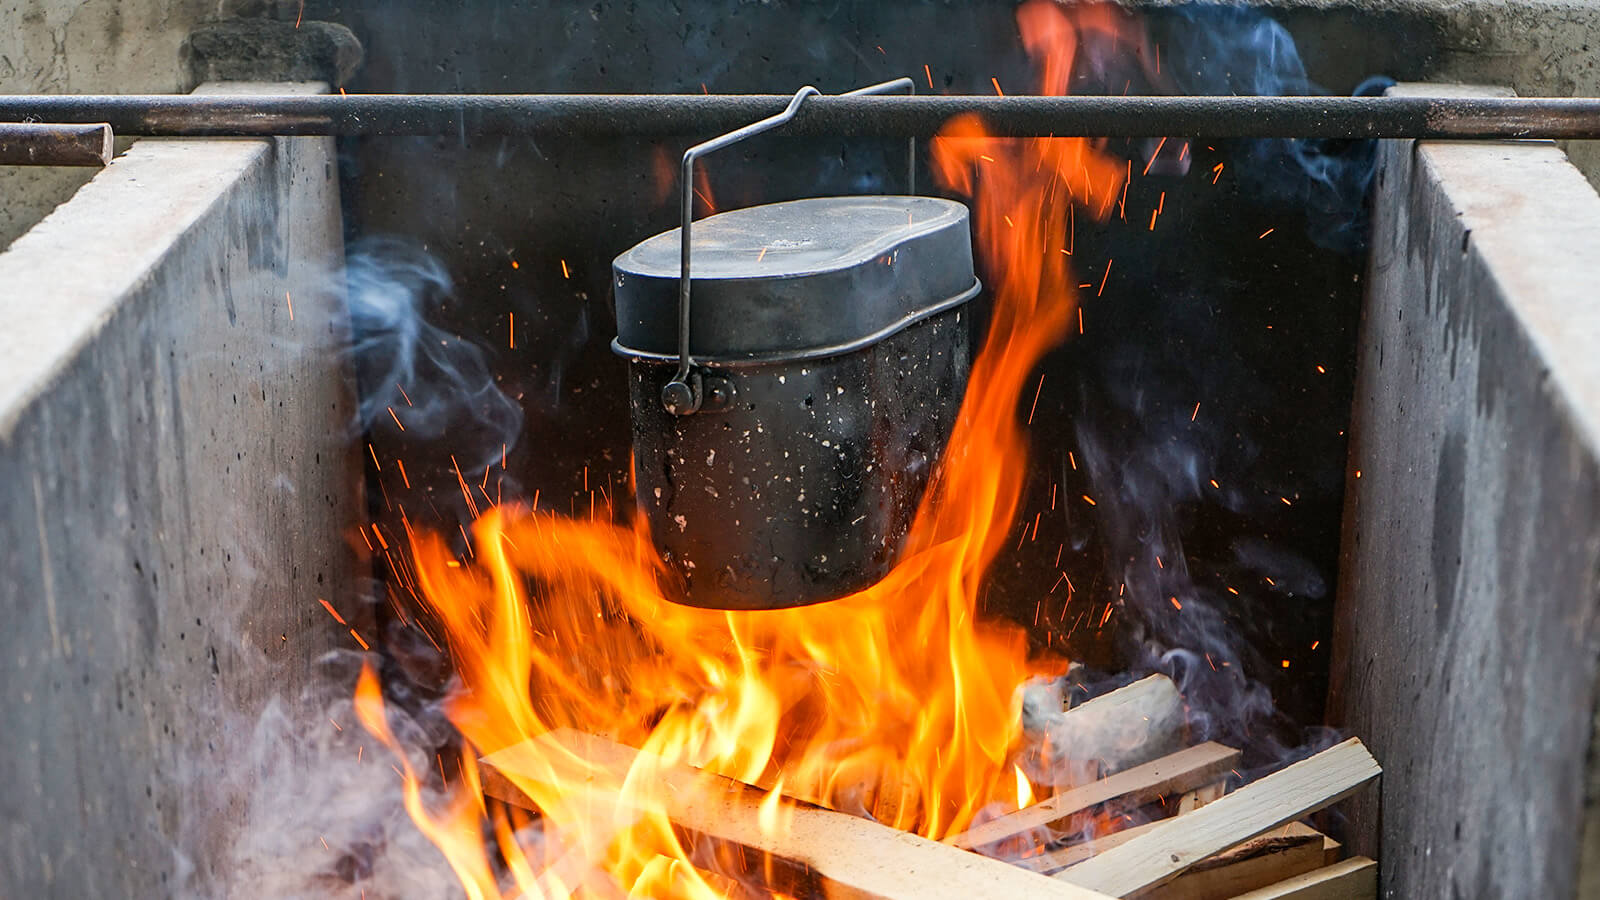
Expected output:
(1465, 642)
(138, 46)
(259, 49)
(78, 47)
(176, 479)
(1539, 48)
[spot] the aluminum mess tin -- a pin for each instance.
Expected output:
(832, 340)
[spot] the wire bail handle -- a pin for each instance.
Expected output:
(684, 394)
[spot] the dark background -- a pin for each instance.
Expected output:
(1203, 310)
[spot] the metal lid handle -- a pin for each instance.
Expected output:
(683, 395)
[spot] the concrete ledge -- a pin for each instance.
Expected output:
(175, 475)
(1465, 645)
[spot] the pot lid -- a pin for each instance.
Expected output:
(800, 279)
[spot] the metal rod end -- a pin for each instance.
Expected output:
(680, 397)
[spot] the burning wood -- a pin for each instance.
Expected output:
(815, 853)
(1056, 860)
(1238, 843)
(1169, 775)
(1126, 727)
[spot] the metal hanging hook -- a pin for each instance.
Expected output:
(684, 394)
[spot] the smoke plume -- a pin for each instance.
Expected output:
(441, 381)
(1220, 50)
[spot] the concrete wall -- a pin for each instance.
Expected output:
(175, 481)
(81, 47)
(1539, 48)
(1465, 645)
(114, 47)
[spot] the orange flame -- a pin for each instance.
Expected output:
(895, 702)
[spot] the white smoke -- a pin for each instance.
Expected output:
(441, 381)
(325, 815)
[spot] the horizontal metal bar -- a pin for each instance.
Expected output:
(50, 144)
(695, 115)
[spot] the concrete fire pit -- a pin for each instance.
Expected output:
(183, 481)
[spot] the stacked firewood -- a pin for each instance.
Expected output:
(1163, 828)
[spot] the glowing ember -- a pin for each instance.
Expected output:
(895, 702)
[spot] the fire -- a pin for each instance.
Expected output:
(896, 702)
(1024, 788)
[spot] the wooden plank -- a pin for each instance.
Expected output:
(1331, 850)
(1161, 854)
(1127, 727)
(1258, 862)
(817, 852)
(1173, 774)
(1201, 796)
(1056, 860)
(1353, 879)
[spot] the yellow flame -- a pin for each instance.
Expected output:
(1024, 788)
(771, 814)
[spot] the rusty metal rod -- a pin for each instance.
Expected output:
(50, 144)
(696, 115)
